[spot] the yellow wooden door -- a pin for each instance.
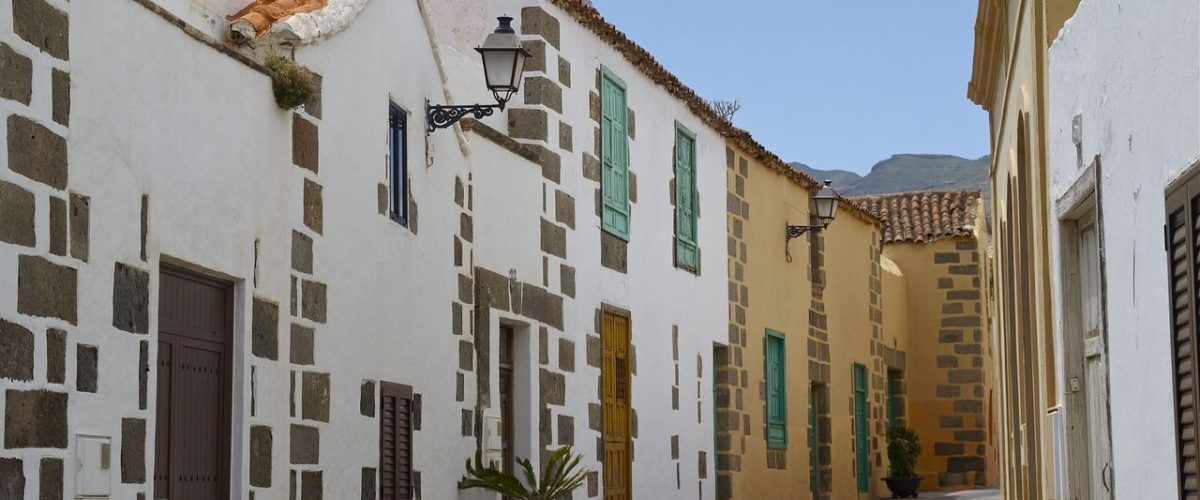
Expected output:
(615, 378)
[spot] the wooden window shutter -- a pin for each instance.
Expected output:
(776, 370)
(1183, 249)
(395, 442)
(614, 188)
(686, 255)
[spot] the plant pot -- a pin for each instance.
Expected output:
(905, 487)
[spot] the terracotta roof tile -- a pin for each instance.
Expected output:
(926, 216)
(263, 13)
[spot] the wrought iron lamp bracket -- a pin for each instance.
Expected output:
(796, 232)
(443, 116)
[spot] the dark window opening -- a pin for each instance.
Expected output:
(397, 164)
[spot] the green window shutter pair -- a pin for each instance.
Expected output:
(814, 467)
(685, 198)
(614, 187)
(861, 445)
(776, 371)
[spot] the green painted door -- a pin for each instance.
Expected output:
(776, 391)
(614, 189)
(685, 198)
(861, 445)
(814, 465)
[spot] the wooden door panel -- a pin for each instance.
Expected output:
(615, 382)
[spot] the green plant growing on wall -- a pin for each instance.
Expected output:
(903, 449)
(293, 85)
(560, 476)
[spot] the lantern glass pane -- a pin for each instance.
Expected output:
(825, 207)
(498, 68)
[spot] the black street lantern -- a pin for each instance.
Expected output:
(825, 204)
(503, 62)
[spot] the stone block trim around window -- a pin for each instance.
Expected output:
(614, 185)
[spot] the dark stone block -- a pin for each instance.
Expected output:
(539, 304)
(143, 372)
(964, 464)
(366, 398)
(967, 349)
(566, 355)
(265, 329)
(961, 321)
(16, 352)
(632, 182)
(594, 351)
(58, 226)
(87, 368)
(302, 345)
(950, 336)
(566, 430)
(43, 26)
(260, 456)
(50, 476)
(313, 300)
(466, 355)
(313, 106)
(944, 449)
(302, 252)
(36, 152)
(614, 252)
(18, 206)
(552, 387)
(564, 209)
(537, 55)
(536, 21)
(493, 289)
(566, 277)
(974, 436)
(314, 216)
(966, 376)
(305, 144)
(304, 445)
(12, 479)
(952, 308)
(368, 483)
(945, 258)
(56, 354)
(949, 391)
(467, 423)
(947, 362)
(525, 123)
(968, 406)
(315, 402)
(382, 199)
(591, 168)
(131, 299)
(16, 75)
(145, 226)
(312, 485)
(60, 95)
(962, 295)
(544, 91)
(950, 421)
(554, 239)
(133, 450)
(631, 123)
(969, 269)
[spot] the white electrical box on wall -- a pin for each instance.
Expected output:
(93, 466)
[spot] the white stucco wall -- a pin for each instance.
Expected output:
(1131, 70)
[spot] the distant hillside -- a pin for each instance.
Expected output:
(839, 177)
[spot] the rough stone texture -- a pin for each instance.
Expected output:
(133, 450)
(382, 196)
(550, 162)
(593, 483)
(265, 329)
(143, 372)
(301, 346)
(16, 352)
(312, 485)
(315, 402)
(145, 226)
(537, 55)
(43, 26)
(566, 355)
(366, 398)
(564, 72)
(465, 289)
(965, 376)
(542, 305)
(313, 106)
(56, 354)
(60, 95)
(58, 226)
(313, 301)
(566, 430)
(466, 355)
(591, 167)
(260, 456)
(552, 387)
(368, 483)
(492, 288)
(564, 208)
(566, 140)
(12, 479)
(528, 124)
(566, 275)
(544, 91)
(943, 449)
(304, 445)
(467, 423)
(87, 368)
(964, 464)
(632, 123)
(17, 205)
(554, 239)
(131, 299)
(46, 289)
(614, 252)
(36, 152)
(314, 213)
(305, 150)
(16, 75)
(595, 351)
(536, 21)
(50, 477)
(302, 252)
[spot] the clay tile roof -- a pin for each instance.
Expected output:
(923, 217)
(261, 14)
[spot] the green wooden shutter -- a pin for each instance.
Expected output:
(685, 198)
(776, 391)
(893, 392)
(861, 445)
(614, 188)
(814, 464)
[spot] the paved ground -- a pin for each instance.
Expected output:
(989, 494)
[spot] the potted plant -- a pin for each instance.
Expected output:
(903, 447)
(561, 475)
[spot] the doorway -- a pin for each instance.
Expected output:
(195, 330)
(614, 375)
(507, 438)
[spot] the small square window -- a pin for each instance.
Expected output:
(397, 164)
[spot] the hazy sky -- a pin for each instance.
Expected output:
(831, 83)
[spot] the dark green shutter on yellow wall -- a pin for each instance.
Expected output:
(614, 187)
(861, 446)
(685, 198)
(776, 370)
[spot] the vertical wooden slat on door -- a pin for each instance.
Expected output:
(395, 441)
(614, 376)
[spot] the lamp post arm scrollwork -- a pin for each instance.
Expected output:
(796, 231)
(439, 116)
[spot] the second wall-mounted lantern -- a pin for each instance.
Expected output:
(825, 204)
(503, 62)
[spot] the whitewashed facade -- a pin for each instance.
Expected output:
(1124, 125)
(140, 138)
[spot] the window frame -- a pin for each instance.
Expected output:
(775, 336)
(620, 207)
(397, 164)
(682, 243)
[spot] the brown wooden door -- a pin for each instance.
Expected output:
(395, 441)
(614, 376)
(506, 400)
(193, 401)
(1183, 266)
